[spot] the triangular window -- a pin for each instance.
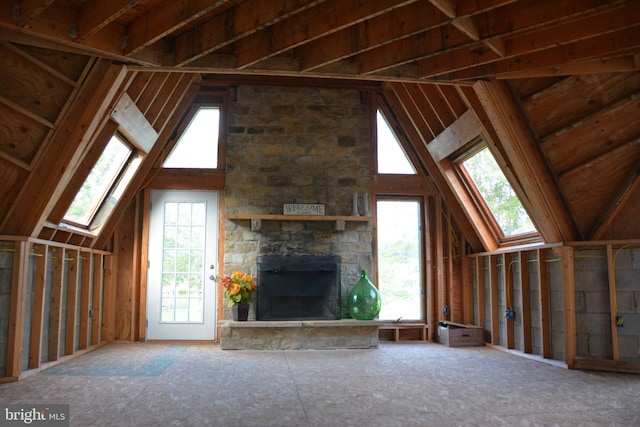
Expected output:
(391, 155)
(197, 148)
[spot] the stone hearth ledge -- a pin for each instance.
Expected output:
(299, 334)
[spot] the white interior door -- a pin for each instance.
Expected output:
(181, 286)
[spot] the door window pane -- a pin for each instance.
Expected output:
(183, 262)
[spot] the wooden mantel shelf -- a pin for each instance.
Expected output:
(300, 217)
(340, 220)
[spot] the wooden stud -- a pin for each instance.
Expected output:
(85, 289)
(137, 266)
(37, 313)
(480, 287)
(72, 301)
(525, 301)
(545, 316)
(613, 303)
(569, 305)
(467, 282)
(493, 284)
(55, 312)
(17, 309)
(96, 304)
(454, 298)
(507, 271)
(144, 263)
(441, 288)
(108, 327)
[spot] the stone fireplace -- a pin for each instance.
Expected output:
(298, 288)
(297, 145)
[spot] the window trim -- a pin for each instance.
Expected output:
(469, 150)
(99, 211)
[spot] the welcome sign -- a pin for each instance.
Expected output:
(302, 209)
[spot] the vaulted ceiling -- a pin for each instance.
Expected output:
(553, 86)
(418, 40)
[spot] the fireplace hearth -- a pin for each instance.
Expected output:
(298, 287)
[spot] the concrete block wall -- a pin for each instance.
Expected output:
(556, 305)
(535, 304)
(593, 309)
(593, 325)
(627, 267)
(297, 145)
(510, 267)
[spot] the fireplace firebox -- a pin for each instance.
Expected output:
(298, 287)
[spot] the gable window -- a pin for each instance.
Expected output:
(197, 148)
(494, 195)
(391, 155)
(107, 179)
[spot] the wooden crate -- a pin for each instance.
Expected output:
(458, 335)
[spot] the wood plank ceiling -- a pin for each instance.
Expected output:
(569, 66)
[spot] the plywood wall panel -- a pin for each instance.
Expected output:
(625, 224)
(594, 136)
(20, 136)
(12, 178)
(573, 98)
(591, 189)
(41, 93)
(69, 64)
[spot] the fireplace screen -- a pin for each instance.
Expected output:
(298, 288)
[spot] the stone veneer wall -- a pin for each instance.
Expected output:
(297, 145)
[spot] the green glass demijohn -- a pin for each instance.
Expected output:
(364, 301)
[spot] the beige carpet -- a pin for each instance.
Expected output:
(403, 384)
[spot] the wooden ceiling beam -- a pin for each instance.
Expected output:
(425, 110)
(164, 19)
(546, 205)
(53, 29)
(29, 10)
(241, 21)
(436, 38)
(96, 14)
(583, 39)
(407, 50)
(305, 27)
(524, 34)
(411, 19)
(602, 47)
(619, 64)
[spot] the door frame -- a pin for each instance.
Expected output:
(144, 200)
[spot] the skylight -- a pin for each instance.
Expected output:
(391, 155)
(486, 176)
(100, 182)
(197, 148)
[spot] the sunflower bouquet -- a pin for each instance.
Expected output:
(238, 287)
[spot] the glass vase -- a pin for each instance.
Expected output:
(364, 301)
